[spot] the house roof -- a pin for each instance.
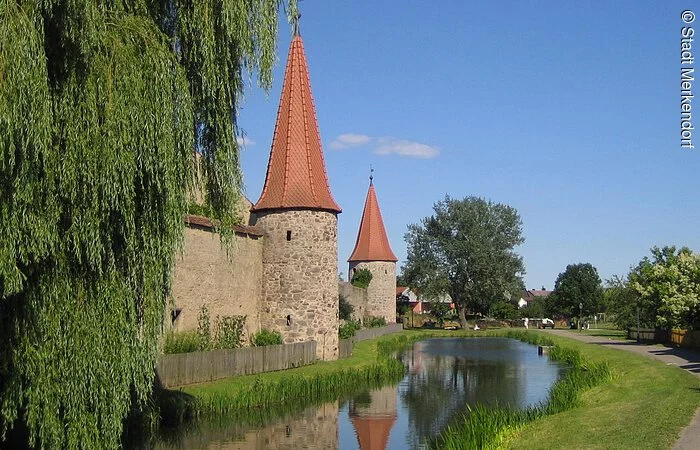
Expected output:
(372, 243)
(296, 172)
(400, 290)
(531, 294)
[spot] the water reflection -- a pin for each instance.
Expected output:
(443, 377)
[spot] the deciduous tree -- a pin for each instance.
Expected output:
(466, 249)
(101, 107)
(578, 285)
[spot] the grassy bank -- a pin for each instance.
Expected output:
(645, 406)
(369, 366)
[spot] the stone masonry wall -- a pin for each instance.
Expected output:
(356, 296)
(300, 277)
(381, 292)
(205, 276)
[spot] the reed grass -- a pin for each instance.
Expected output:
(492, 427)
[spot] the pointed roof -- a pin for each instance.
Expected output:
(296, 173)
(372, 243)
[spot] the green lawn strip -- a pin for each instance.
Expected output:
(645, 406)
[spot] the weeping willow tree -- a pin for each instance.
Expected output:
(102, 104)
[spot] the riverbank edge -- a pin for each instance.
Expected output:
(198, 399)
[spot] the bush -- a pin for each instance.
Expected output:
(265, 337)
(229, 331)
(348, 329)
(361, 278)
(374, 322)
(185, 342)
(504, 310)
(345, 309)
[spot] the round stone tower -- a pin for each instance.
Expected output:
(373, 252)
(298, 215)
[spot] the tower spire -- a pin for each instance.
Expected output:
(296, 172)
(372, 242)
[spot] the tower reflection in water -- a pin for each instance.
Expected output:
(373, 414)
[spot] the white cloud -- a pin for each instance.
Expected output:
(402, 147)
(349, 140)
(386, 145)
(245, 141)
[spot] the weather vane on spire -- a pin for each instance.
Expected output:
(295, 22)
(371, 174)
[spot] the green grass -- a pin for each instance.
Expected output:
(645, 406)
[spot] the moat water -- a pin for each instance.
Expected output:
(443, 377)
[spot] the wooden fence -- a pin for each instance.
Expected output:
(198, 367)
(679, 338)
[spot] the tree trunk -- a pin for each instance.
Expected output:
(462, 316)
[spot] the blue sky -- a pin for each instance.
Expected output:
(567, 111)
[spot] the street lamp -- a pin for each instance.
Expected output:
(580, 316)
(638, 324)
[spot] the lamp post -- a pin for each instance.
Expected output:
(580, 316)
(638, 340)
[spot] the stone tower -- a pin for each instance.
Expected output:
(299, 216)
(373, 252)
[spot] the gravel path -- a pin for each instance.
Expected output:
(686, 359)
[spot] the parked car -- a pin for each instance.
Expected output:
(546, 323)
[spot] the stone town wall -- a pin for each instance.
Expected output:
(228, 286)
(381, 292)
(356, 296)
(300, 277)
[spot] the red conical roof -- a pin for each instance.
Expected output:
(296, 172)
(372, 243)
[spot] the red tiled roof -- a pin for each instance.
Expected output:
(296, 172)
(532, 293)
(206, 222)
(372, 243)
(400, 289)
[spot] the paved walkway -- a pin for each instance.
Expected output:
(684, 358)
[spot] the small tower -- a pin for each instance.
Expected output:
(297, 212)
(373, 252)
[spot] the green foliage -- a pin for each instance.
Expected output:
(534, 309)
(228, 332)
(204, 328)
(361, 278)
(266, 337)
(374, 322)
(101, 106)
(668, 287)
(403, 305)
(348, 329)
(466, 250)
(578, 284)
(504, 310)
(345, 309)
(440, 311)
(183, 342)
(621, 302)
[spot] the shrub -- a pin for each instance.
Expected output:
(229, 331)
(345, 309)
(361, 278)
(204, 328)
(348, 329)
(440, 311)
(266, 337)
(374, 322)
(185, 342)
(504, 310)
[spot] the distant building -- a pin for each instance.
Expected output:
(418, 303)
(532, 295)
